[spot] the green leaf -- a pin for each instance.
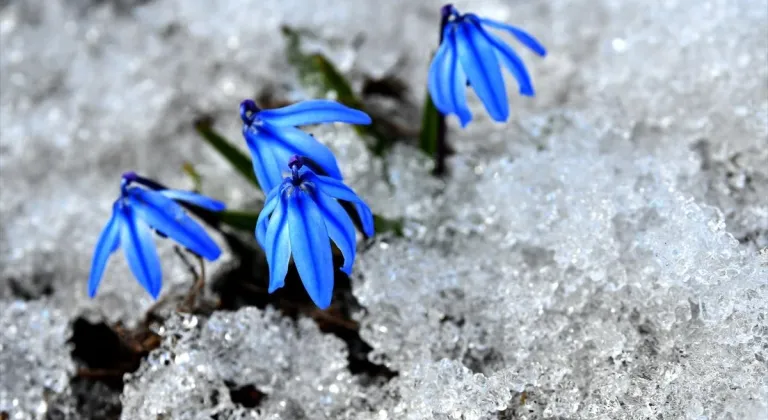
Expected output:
(383, 225)
(239, 219)
(296, 58)
(335, 82)
(430, 127)
(239, 160)
(319, 75)
(246, 220)
(197, 180)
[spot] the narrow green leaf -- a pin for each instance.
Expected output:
(301, 62)
(246, 220)
(383, 225)
(344, 94)
(430, 122)
(239, 160)
(239, 219)
(197, 180)
(335, 81)
(319, 75)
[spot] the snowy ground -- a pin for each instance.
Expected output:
(598, 257)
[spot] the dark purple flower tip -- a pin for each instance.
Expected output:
(447, 10)
(126, 180)
(130, 176)
(248, 111)
(295, 162)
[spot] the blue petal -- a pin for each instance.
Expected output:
(167, 216)
(366, 218)
(263, 221)
(340, 228)
(282, 155)
(478, 59)
(522, 36)
(315, 111)
(338, 190)
(457, 84)
(139, 249)
(311, 247)
(512, 61)
(278, 245)
(108, 242)
(194, 198)
(333, 187)
(295, 141)
(438, 73)
(444, 75)
(265, 167)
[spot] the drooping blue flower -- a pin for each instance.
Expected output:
(470, 55)
(135, 213)
(299, 217)
(272, 136)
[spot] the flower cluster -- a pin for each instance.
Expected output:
(304, 210)
(302, 215)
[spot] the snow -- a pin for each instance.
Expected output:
(598, 256)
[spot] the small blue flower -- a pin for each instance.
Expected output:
(134, 215)
(273, 138)
(468, 54)
(299, 217)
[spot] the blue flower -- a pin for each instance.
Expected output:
(134, 215)
(299, 217)
(273, 138)
(468, 54)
